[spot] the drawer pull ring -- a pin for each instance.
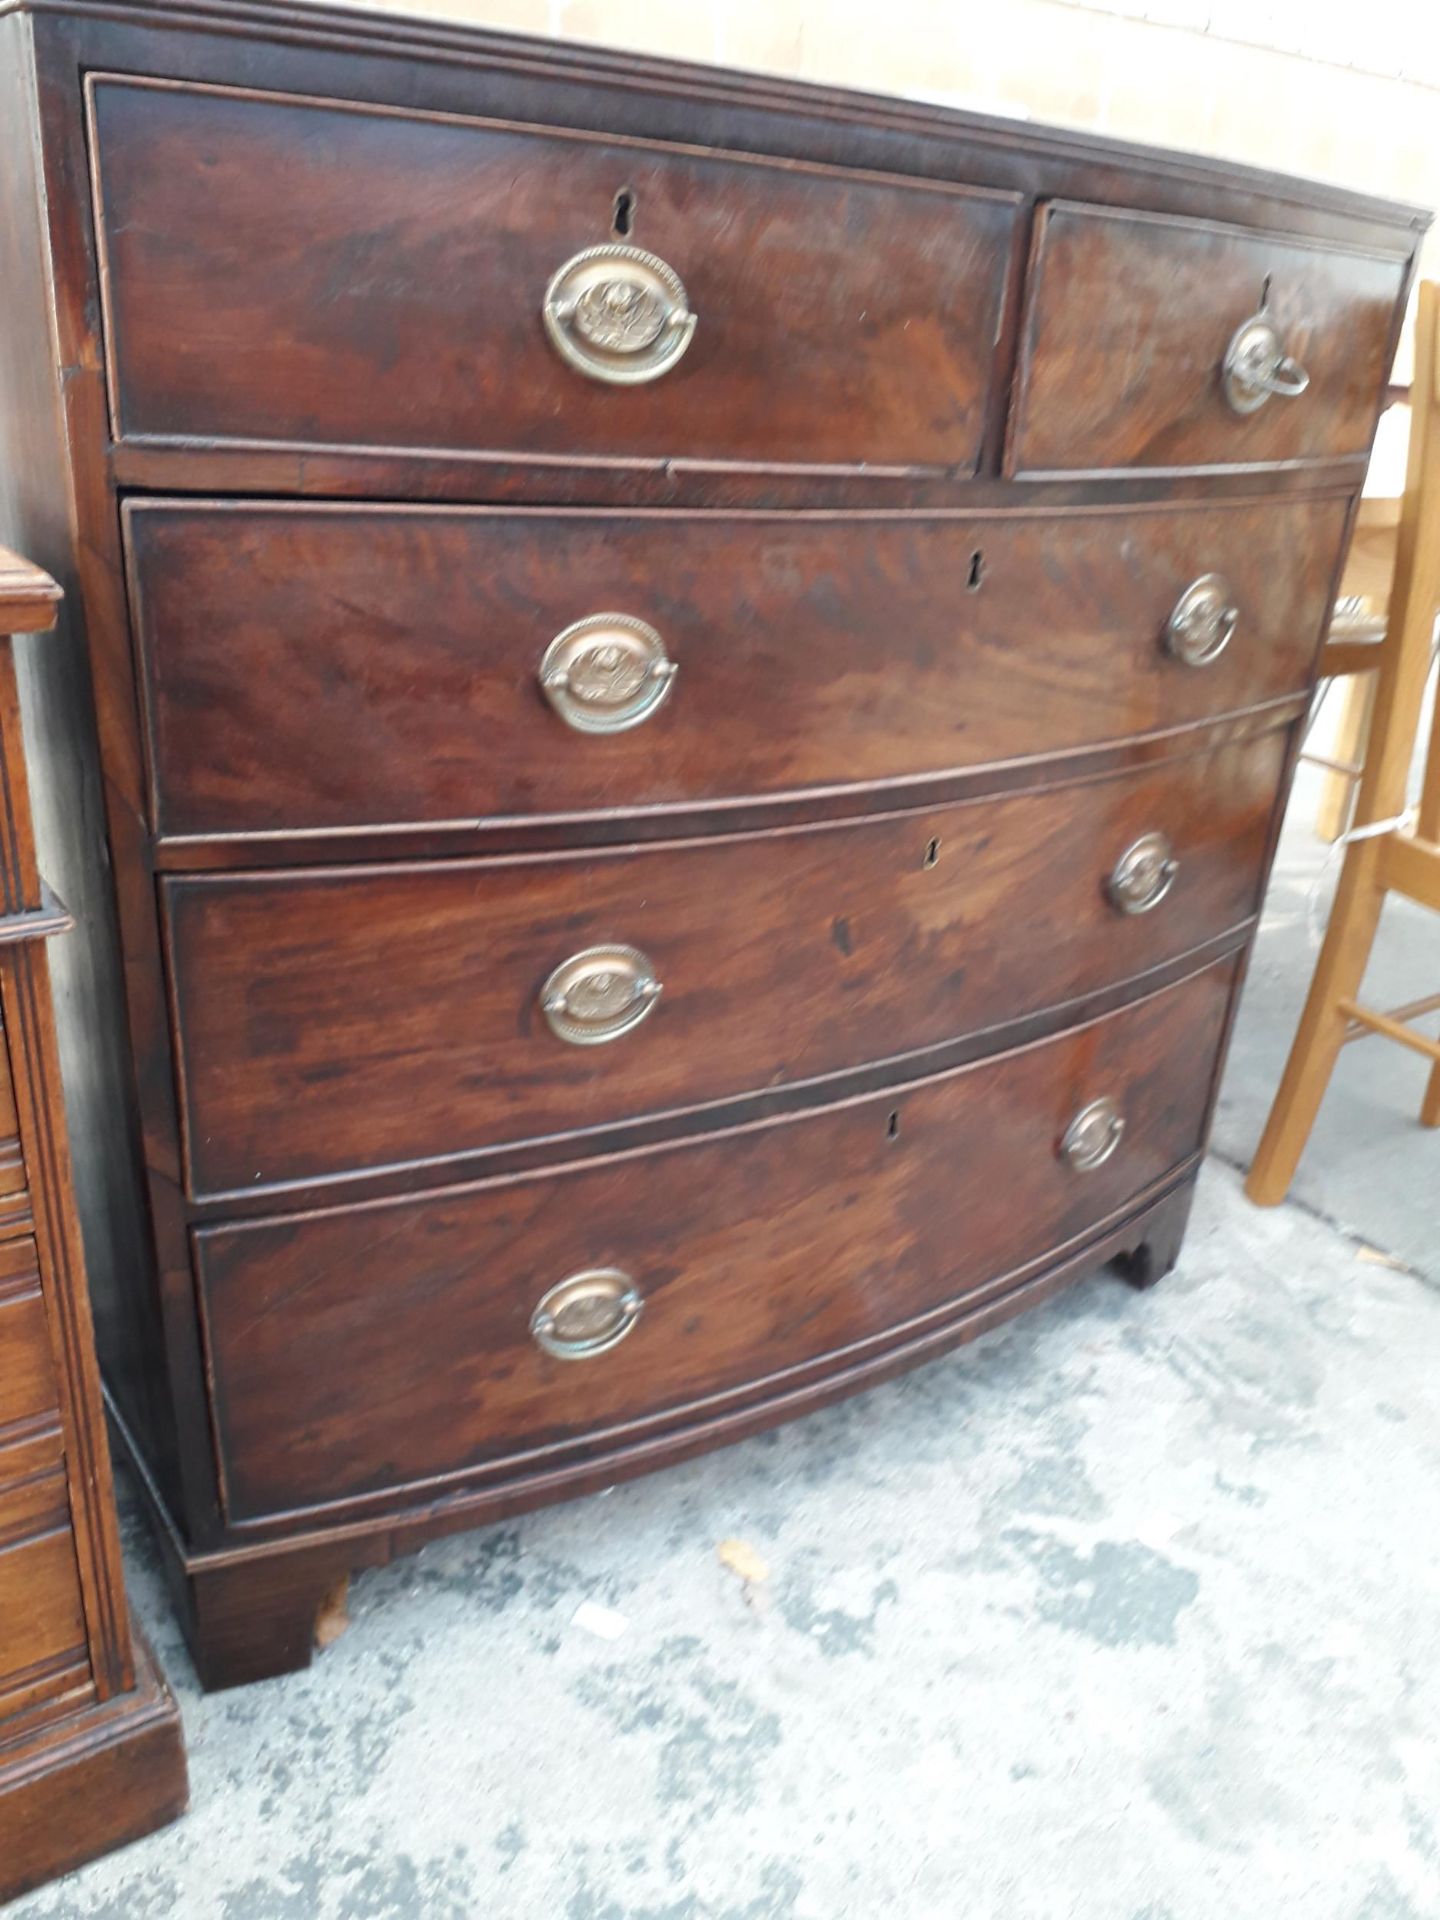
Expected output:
(1093, 1135)
(1143, 874)
(586, 1313)
(598, 994)
(1203, 622)
(1256, 366)
(619, 315)
(606, 673)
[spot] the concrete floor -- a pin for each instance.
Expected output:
(1368, 1168)
(1130, 1612)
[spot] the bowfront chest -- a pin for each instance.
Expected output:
(694, 682)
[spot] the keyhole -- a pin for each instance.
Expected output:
(932, 853)
(977, 571)
(624, 221)
(892, 1126)
(1265, 293)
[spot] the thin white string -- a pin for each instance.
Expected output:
(1397, 823)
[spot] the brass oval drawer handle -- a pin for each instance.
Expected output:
(606, 673)
(1143, 875)
(619, 315)
(1093, 1135)
(598, 994)
(587, 1313)
(1203, 621)
(1256, 366)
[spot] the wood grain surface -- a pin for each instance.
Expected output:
(363, 1348)
(312, 668)
(334, 275)
(353, 1019)
(1126, 330)
(361, 493)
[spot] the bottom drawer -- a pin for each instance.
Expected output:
(373, 1346)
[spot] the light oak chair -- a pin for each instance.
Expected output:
(1388, 850)
(1350, 659)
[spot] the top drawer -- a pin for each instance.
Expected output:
(1132, 318)
(306, 271)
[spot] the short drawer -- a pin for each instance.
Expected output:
(27, 1370)
(313, 668)
(27, 1367)
(14, 1177)
(334, 1021)
(361, 1349)
(1130, 327)
(328, 274)
(42, 1619)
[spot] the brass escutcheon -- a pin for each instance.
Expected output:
(1093, 1135)
(598, 994)
(1143, 875)
(587, 1313)
(1256, 367)
(1203, 621)
(606, 673)
(618, 314)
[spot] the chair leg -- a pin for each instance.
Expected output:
(1321, 1033)
(1430, 1105)
(1337, 790)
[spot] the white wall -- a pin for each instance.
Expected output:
(1344, 90)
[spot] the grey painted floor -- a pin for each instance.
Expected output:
(1130, 1612)
(1368, 1167)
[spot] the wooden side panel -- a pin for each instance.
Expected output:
(37, 518)
(1128, 322)
(311, 668)
(369, 1016)
(341, 276)
(361, 1349)
(35, 456)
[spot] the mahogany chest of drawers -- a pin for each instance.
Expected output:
(695, 681)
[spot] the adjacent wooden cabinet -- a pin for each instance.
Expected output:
(695, 683)
(90, 1746)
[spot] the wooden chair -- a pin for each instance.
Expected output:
(1387, 852)
(1350, 659)
(1362, 612)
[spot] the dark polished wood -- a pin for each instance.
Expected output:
(1146, 1265)
(419, 635)
(1128, 321)
(79, 1710)
(336, 275)
(756, 1254)
(305, 1051)
(331, 837)
(250, 1607)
